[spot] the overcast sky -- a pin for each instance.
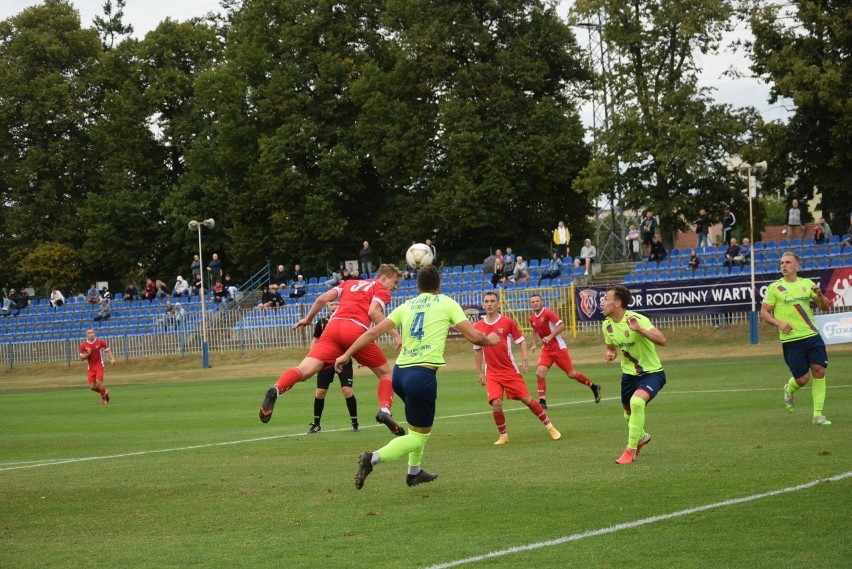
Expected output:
(144, 15)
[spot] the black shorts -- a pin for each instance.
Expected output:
(326, 377)
(800, 354)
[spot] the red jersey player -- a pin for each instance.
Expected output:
(362, 303)
(547, 327)
(90, 350)
(501, 373)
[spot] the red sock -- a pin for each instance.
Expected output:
(385, 391)
(542, 387)
(500, 421)
(288, 379)
(580, 378)
(538, 411)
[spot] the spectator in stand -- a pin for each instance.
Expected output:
(9, 306)
(521, 272)
(366, 256)
(179, 313)
(588, 252)
(702, 228)
(220, 294)
(150, 292)
(744, 258)
(428, 243)
(554, 269)
(280, 278)
(162, 289)
(561, 238)
(497, 275)
(508, 267)
(729, 223)
(848, 239)
(350, 276)
(731, 254)
(298, 288)
(131, 292)
(181, 287)
(269, 298)
(105, 309)
(215, 268)
(649, 229)
(56, 298)
(92, 296)
(22, 299)
(795, 223)
(694, 261)
(822, 232)
(196, 288)
(335, 279)
(634, 243)
(195, 266)
(230, 286)
(488, 264)
(658, 251)
(168, 315)
(509, 256)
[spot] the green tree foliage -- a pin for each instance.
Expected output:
(667, 136)
(802, 49)
(110, 25)
(50, 265)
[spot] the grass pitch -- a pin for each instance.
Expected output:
(178, 471)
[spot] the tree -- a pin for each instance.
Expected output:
(110, 25)
(665, 134)
(802, 49)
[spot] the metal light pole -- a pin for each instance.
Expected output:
(746, 169)
(196, 226)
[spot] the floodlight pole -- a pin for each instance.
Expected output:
(205, 353)
(751, 188)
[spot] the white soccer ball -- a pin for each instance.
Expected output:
(419, 255)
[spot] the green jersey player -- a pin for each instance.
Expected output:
(642, 375)
(787, 306)
(424, 321)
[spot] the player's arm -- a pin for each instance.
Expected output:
(525, 358)
(766, 313)
(535, 340)
(819, 298)
(475, 336)
(609, 354)
(84, 355)
(316, 307)
(652, 333)
(377, 315)
(363, 341)
(477, 354)
(111, 357)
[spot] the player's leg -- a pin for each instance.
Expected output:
(540, 414)
(818, 359)
(346, 380)
(796, 358)
(324, 379)
(495, 399)
(307, 368)
(646, 388)
(544, 364)
(563, 361)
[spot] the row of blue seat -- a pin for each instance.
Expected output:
(760, 258)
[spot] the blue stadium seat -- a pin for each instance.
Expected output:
(640, 266)
(834, 240)
(639, 278)
(836, 263)
(736, 270)
(822, 264)
(783, 244)
(796, 242)
(772, 256)
(758, 246)
(628, 279)
(810, 265)
(674, 253)
(578, 271)
(468, 269)
(533, 264)
(457, 270)
(477, 268)
(834, 250)
(711, 272)
(663, 275)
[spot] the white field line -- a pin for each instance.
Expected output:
(637, 523)
(18, 465)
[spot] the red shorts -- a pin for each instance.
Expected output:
(336, 339)
(96, 374)
(513, 385)
(562, 359)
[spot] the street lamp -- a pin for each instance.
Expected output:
(746, 170)
(196, 226)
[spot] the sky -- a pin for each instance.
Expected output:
(144, 15)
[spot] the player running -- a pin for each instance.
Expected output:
(787, 306)
(425, 321)
(90, 350)
(642, 375)
(326, 377)
(362, 302)
(548, 327)
(501, 372)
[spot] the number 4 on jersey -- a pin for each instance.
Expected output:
(416, 330)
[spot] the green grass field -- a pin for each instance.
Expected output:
(179, 472)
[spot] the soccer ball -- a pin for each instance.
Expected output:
(419, 255)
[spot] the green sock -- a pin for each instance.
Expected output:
(415, 456)
(400, 446)
(792, 386)
(636, 425)
(818, 393)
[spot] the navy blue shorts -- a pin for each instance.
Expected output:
(652, 382)
(417, 386)
(326, 377)
(800, 354)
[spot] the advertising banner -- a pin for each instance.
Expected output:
(710, 296)
(835, 328)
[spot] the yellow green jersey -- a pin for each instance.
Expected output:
(639, 354)
(791, 302)
(425, 321)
